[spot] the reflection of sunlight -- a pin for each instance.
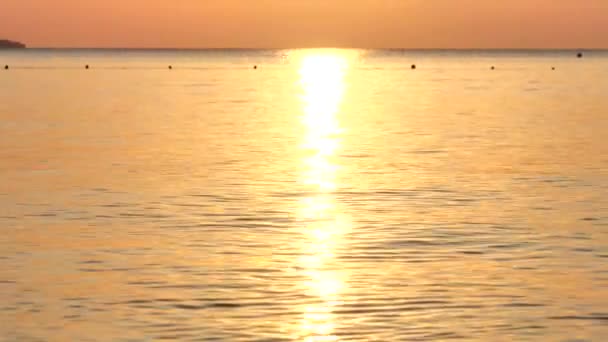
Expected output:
(322, 81)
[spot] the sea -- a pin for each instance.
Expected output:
(303, 195)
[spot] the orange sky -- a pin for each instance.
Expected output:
(306, 23)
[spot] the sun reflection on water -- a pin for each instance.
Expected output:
(323, 86)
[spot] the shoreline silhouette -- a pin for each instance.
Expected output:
(10, 44)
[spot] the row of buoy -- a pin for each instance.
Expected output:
(413, 67)
(494, 68)
(170, 67)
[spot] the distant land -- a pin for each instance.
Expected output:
(9, 44)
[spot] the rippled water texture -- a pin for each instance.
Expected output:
(328, 195)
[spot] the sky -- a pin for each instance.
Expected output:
(307, 23)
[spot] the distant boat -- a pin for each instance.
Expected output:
(9, 44)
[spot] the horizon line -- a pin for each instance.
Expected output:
(320, 48)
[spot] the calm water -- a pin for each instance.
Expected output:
(326, 196)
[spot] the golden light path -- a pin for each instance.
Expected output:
(322, 83)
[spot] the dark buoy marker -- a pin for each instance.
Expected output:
(86, 66)
(6, 67)
(255, 67)
(413, 66)
(170, 67)
(579, 55)
(492, 68)
(552, 68)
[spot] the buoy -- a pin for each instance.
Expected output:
(579, 55)
(255, 67)
(6, 67)
(552, 68)
(170, 67)
(492, 68)
(413, 66)
(86, 66)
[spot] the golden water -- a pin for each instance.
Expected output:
(329, 195)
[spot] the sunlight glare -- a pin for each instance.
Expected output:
(323, 86)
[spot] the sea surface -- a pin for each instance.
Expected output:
(328, 195)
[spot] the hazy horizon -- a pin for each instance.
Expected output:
(395, 48)
(413, 49)
(366, 24)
